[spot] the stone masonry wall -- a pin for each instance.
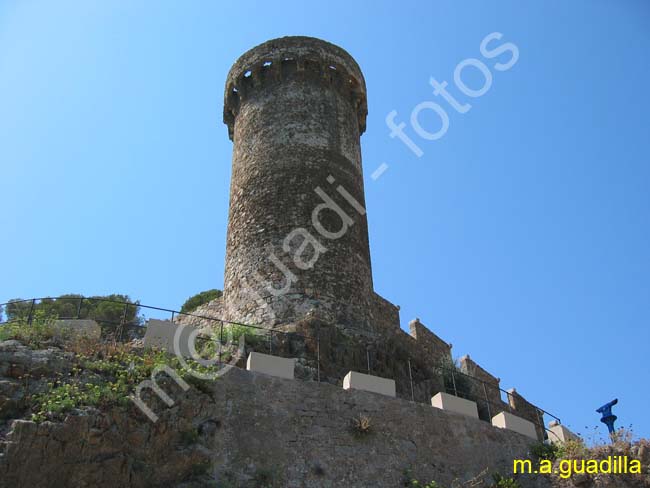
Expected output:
(438, 349)
(384, 315)
(251, 430)
(412, 360)
(526, 410)
(517, 404)
(212, 310)
(492, 384)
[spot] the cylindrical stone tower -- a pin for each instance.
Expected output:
(297, 231)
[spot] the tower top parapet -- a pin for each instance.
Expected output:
(294, 57)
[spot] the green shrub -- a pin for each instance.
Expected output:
(68, 306)
(189, 437)
(105, 376)
(455, 381)
(235, 331)
(501, 482)
(478, 480)
(430, 484)
(572, 449)
(199, 299)
(209, 348)
(199, 469)
(410, 481)
(32, 335)
(267, 478)
(545, 451)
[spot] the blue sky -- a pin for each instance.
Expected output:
(521, 235)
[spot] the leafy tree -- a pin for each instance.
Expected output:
(103, 309)
(17, 309)
(456, 382)
(199, 299)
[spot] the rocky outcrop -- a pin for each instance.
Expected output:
(25, 372)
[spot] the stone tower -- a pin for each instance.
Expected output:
(297, 240)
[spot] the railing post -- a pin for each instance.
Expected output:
(220, 340)
(411, 380)
(368, 358)
(79, 307)
(510, 407)
(440, 373)
(270, 340)
(487, 401)
(31, 311)
(453, 380)
(318, 356)
(540, 422)
(173, 312)
(120, 331)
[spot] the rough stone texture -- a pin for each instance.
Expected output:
(295, 109)
(248, 426)
(386, 357)
(384, 316)
(526, 410)
(24, 372)
(207, 315)
(78, 328)
(17, 360)
(389, 355)
(488, 385)
(430, 342)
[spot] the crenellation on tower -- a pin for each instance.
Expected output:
(434, 345)
(296, 58)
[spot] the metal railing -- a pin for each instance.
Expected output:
(447, 378)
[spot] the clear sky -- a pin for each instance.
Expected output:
(521, 235)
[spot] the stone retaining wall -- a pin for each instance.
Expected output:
(248, 428)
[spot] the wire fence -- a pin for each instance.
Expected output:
(319, 356)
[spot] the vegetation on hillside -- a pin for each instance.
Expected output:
(199, 299)
(103, 309)
(37, 335)
(100, 373)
